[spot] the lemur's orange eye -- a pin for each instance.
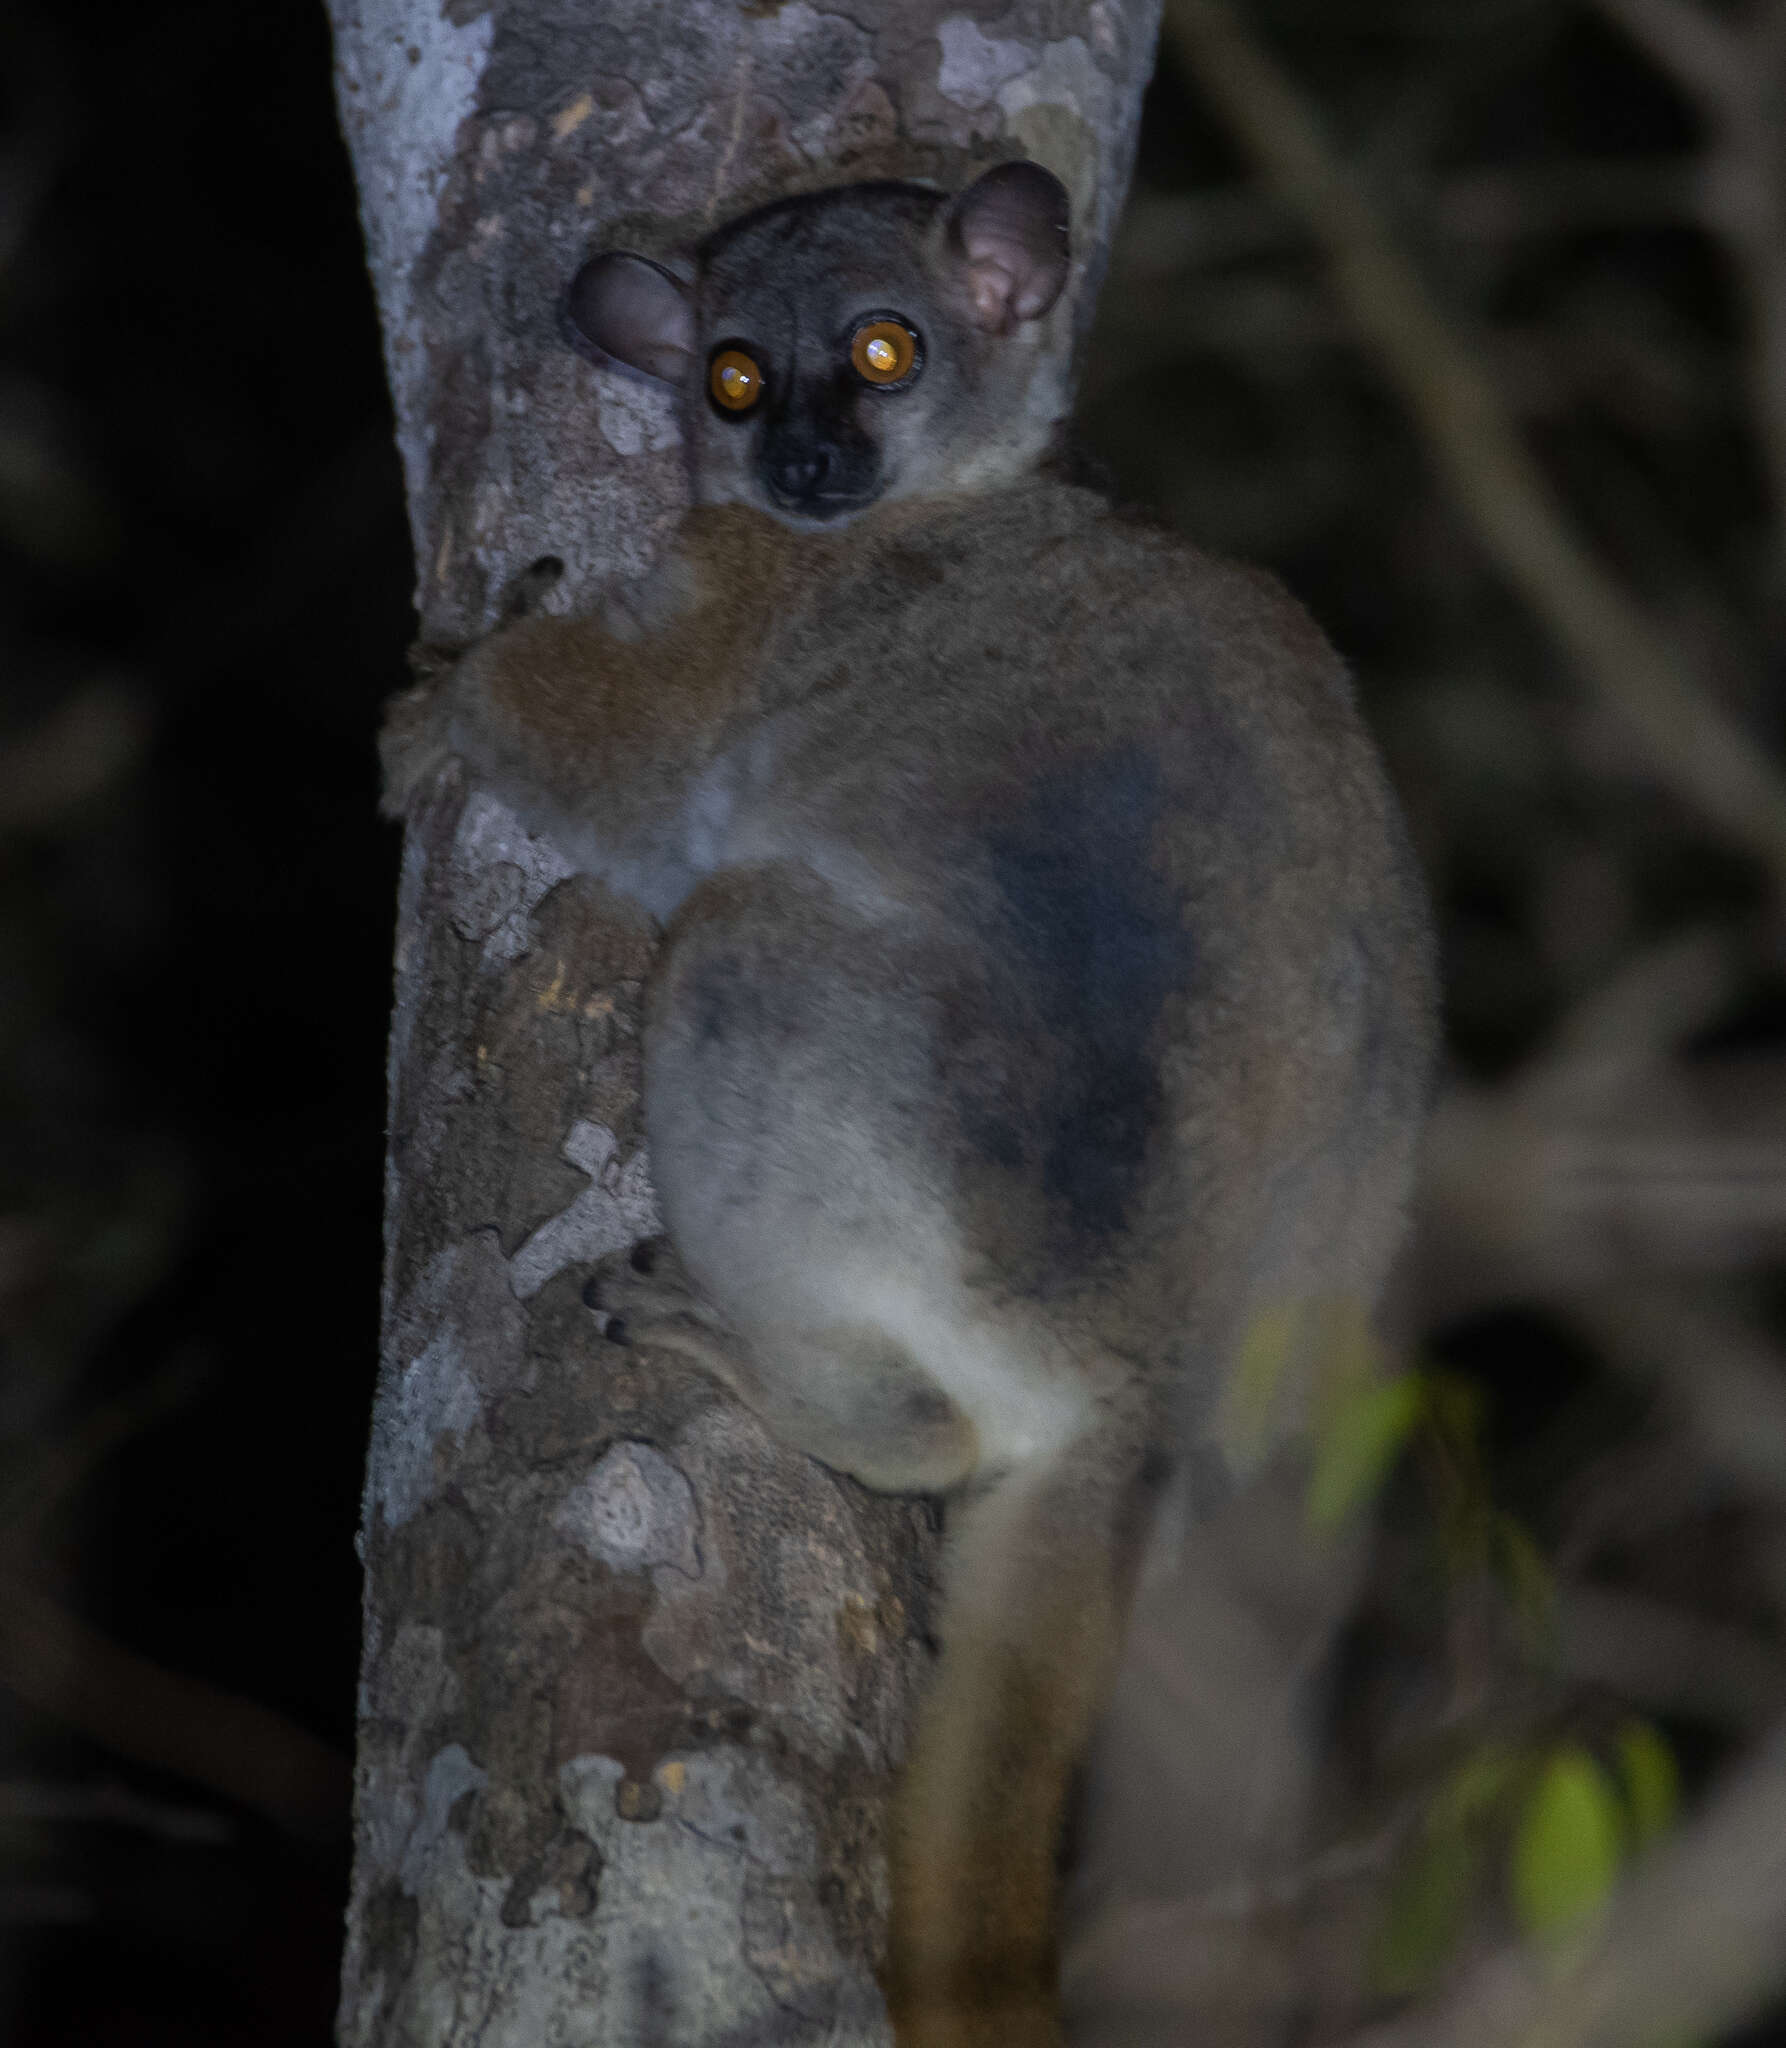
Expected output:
(736, 380)
(884, 351)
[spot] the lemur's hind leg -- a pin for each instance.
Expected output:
(886, 1422)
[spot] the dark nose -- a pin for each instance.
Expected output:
(797, 472)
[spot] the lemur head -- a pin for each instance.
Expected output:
(870, 342)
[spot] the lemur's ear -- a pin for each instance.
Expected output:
(1009, 230)
(634, 312)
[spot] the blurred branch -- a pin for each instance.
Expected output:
(1735, 74)
(1703, 54)
(25, 1799)
(79, 751)
(135, 1708)
(44, 128)
(1165, 233)
(61, 1468)
(45, 1905)
(1530, 1197)
(1223, 1967)
(1695, 1942)
(1608, 1158)
(1720, 1374)
(1694, 747)
(1669, 1660)
(132, 1706)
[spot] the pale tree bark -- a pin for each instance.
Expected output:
(635, 1677)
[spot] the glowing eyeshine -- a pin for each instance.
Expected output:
(884, 352)
(735, 380)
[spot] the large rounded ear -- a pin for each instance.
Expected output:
(632, 311)
(1010, 229)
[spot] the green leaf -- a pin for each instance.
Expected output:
(1427, 1904)
(1567, 1847)
(1651, 1780)
(1358, 1443)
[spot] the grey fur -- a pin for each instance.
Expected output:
(1045, 990)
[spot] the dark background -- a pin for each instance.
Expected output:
(204, 584)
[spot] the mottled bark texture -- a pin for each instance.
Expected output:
(635, 1677)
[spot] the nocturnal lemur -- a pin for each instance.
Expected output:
(1044, 988)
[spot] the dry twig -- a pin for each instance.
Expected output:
(1716, 1370)
(1608, 1158)
(1694, 747)
(135, 1708)
(132, 1706)
(1165, 233)
(1735, 74)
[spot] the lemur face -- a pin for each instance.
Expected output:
(871, 342)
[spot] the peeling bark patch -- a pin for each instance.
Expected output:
(788, 1945)
(565, 1878)
(634, 1511)
(858, 1630)
(974, 64)
(633, 418)
(389, 1932)
(770, 1550)
(735, 1797)
(741, 1846)
(410, 1678)
(505, 872)
(636, 1802)
(435, 1396)
(865, 134)
(616, 1210)
(811, 61)
(461, 1286)
(450, 1776)
(406, 77)
(493, 899)
(733, 1800)
(614, 1701)
(1057, 109)
(553, 1044)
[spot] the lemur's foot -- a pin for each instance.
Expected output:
(645, 1295)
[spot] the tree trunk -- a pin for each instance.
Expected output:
(635, 1677)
